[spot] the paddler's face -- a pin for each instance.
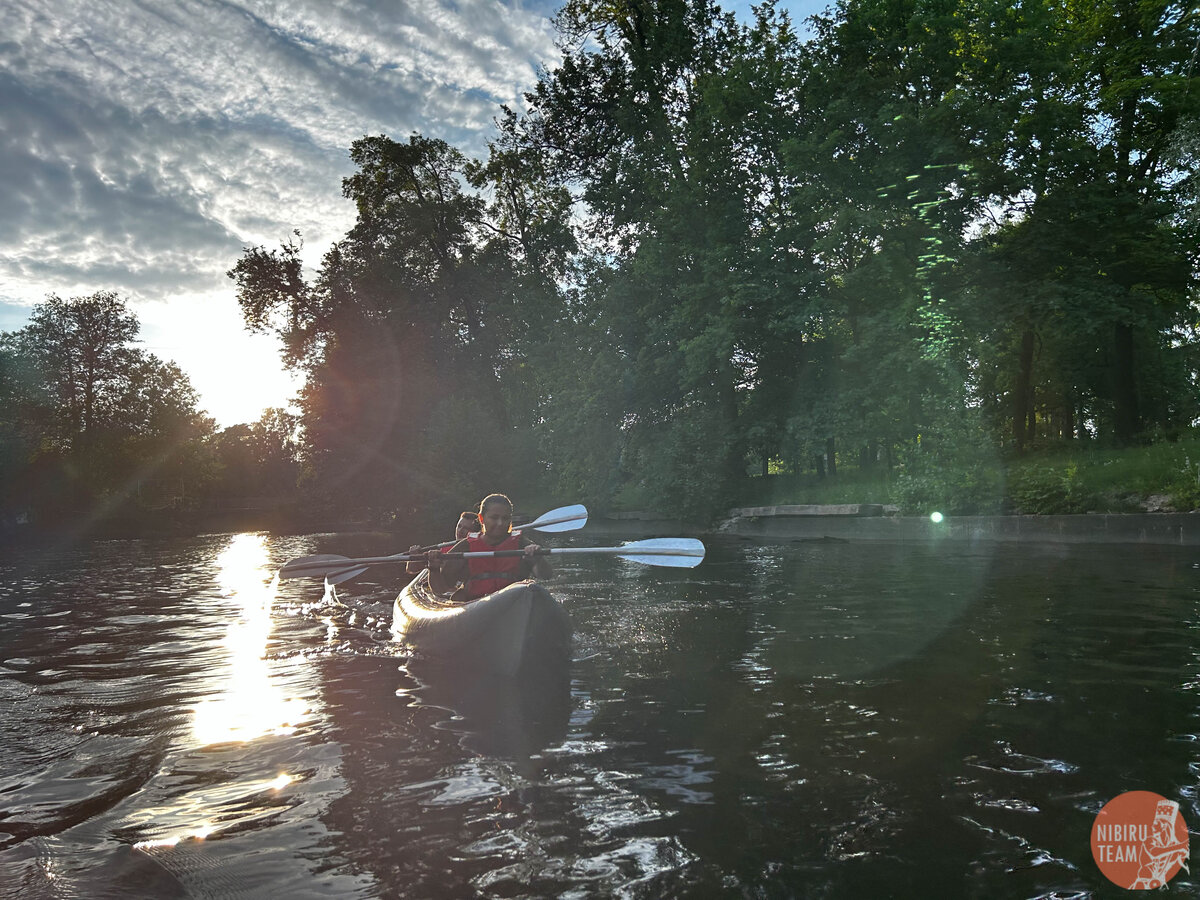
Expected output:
(497, 521)
(465, 527)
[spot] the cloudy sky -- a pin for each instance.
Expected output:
(144, 143)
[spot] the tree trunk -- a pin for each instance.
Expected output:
(830, 458)
(1127, 419)
(1022, 395)
(734, 464)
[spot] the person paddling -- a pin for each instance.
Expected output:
(477, 577)
(468, 522)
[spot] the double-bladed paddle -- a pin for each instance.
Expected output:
(680, 553)
(565, 518)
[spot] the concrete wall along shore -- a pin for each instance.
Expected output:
(872, 522)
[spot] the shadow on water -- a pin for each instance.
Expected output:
(503, 716)
(442, 769)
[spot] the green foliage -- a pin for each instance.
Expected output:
(93, 423)
(1184, 491)
(1047, 490)
(1060, 480)
(950, 235)
(259, 459)
(677, 468)
(852, 485)
(959, 479)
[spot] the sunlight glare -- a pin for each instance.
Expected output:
(190, 325)
(251, 705)
(199, 805)
(199, 834)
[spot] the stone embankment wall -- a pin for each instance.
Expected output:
(871, 522)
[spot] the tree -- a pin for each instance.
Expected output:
(404, 333)
(82, 349)
(946, 226)
(668, 116)
(259, 459)
(99, 420)
(1040, 161)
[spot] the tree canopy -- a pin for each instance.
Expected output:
(91, 420)
(707, 250)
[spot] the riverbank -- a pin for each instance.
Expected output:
(873, 522)
(784, 522)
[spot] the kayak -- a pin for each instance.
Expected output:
(517, 628)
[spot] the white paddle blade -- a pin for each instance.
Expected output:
(332, 578)
(313, 566)
(679, 553)
(566, 518)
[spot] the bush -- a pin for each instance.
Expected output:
(975, 490)
(1049, 490)
(1185, 489)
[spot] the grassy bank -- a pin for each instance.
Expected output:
(1078, 479)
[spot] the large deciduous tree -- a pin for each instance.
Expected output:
(407, 332)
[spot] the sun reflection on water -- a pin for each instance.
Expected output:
(199, 806)
(251, 705)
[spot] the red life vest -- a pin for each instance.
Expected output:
(487, 574)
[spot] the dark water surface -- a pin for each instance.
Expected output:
(810, 720)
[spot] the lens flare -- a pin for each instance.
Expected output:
(936, 518)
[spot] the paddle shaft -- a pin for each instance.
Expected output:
(637, 555)
(655, 551)
(546, 551)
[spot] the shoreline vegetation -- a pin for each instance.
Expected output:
(1063, 480)
(1053, 482)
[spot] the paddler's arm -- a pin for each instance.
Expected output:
(445, 573)
(533, 566)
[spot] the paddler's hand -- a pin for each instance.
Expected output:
(435, 559)
(532, 549)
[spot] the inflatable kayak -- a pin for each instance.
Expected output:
(517, 628)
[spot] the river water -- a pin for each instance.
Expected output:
(801, 720)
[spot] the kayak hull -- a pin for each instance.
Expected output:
(515, 629)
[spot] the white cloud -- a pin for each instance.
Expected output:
(142, 145)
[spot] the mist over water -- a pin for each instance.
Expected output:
(822, 719)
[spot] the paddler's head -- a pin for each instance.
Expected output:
(495, 512)
(467, 523)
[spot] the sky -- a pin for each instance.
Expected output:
(145, 143)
